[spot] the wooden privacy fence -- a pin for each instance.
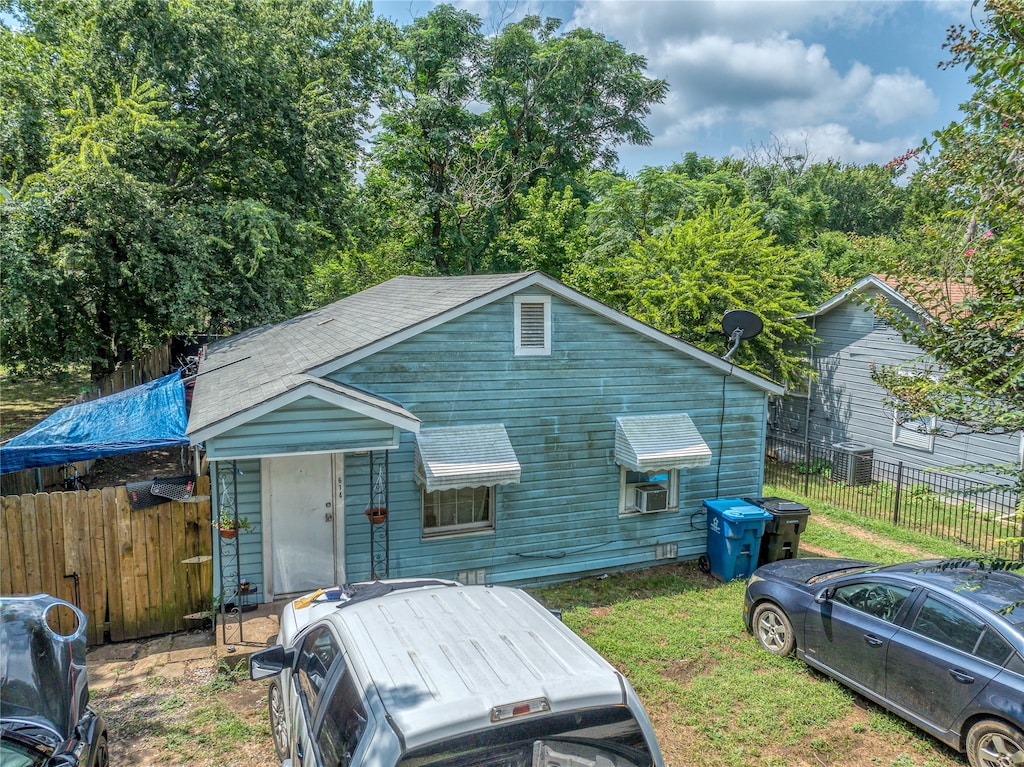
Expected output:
(135, 573)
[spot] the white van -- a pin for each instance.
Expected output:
(418, 673)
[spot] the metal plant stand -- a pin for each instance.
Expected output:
(377, 513)
(229, 550)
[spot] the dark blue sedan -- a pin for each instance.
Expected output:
(938, 642)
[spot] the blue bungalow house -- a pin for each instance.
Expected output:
(487, 428)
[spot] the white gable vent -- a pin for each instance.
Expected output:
(533, 325)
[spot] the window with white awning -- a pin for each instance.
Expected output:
(476, 455)
(458, 468)
(655, 443)
(651, 449)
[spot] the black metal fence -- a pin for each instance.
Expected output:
(954, 508)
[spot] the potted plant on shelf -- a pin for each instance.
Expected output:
(229, 526)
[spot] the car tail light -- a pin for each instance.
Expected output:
(522, 708)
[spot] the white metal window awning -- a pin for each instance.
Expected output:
(477, 455)
(657, 443)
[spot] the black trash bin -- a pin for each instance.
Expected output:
(781, 539)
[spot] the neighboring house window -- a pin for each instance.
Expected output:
(533, 325)
(646, 492)
(917, 432)
(458, 511)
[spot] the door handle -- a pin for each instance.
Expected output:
(872, 640)
(960, 676)
(328, 517)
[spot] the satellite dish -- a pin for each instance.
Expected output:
(740, 325)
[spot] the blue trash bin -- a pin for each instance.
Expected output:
(735, 528)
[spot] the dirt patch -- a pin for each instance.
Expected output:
(912, 552)
(139, 467)
(682, 670)
(203, 718)
(817, 551)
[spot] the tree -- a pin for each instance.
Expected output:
(684, 279)
(173, 167)
(427, 124)
(978, 344)
(472, 123)
(548, 234)
(563, 103)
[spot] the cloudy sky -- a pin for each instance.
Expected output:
(853, 80)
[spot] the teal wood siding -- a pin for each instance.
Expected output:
(562, 519)
(249, 506)
(309, 425)
(847, 406)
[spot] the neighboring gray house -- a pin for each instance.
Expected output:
(514, 430)
(845, 406)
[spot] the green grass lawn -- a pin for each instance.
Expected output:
(716, 698)
(25, 402)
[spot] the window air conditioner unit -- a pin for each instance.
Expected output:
(650, 498)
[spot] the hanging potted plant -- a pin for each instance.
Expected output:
(229, 526)
(377, 514)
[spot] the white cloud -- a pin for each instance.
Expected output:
(641, 25)
(754, 66)
(851, 74)
(831, 141)
(895, 97)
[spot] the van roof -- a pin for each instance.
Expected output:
(442, 657)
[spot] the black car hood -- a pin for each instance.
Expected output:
(803, 570)
(42, 674)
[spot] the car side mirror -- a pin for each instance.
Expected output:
(270, 662)
(824, 595)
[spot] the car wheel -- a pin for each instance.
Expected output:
(994, 744)
(102, 755)
(773, 630)
(278, 721)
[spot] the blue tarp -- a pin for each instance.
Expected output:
(145, 417)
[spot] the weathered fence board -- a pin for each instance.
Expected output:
(125, 569)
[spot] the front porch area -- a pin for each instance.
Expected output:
(237, 640)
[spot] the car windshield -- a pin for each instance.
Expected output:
(609, 735)
(16, 752)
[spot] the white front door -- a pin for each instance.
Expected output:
(300, 502)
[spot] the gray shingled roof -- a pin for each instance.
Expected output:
(252, 367)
